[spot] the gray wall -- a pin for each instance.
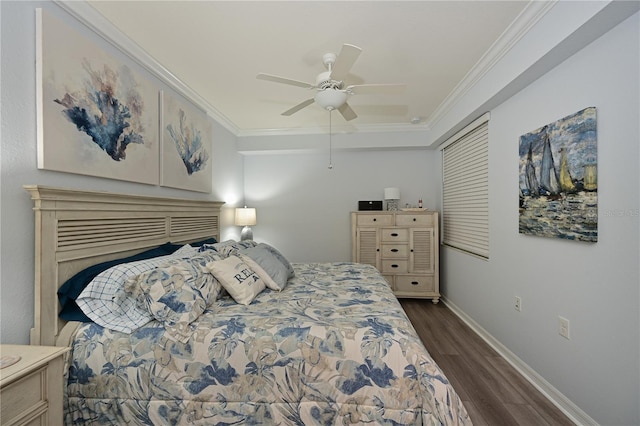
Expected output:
(19, 167)
(594, 285)
(303, 207)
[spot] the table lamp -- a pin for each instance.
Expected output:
(392, 197)
(246, 217)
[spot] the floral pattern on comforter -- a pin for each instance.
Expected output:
(334, 347)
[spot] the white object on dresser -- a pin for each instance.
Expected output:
(403, 246)
(31, 389)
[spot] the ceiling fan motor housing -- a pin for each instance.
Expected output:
(324, 81)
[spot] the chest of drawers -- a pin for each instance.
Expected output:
(403, 246)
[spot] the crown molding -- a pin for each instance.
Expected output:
(96, 22)
(530, 15)
(363, 128)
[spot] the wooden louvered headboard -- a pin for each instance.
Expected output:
(76, 229)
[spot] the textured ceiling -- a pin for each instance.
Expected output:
(218, 47)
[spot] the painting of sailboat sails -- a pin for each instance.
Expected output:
(558, 179)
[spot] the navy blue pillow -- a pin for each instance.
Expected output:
(72, 288)
(203, 242)
(211, 240)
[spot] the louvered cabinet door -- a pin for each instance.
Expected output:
(421, 250)
(367, 247)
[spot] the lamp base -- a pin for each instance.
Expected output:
(392, 205)
(246, 234)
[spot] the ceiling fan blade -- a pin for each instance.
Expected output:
(347, 112)
(298, 107)
(275, 78)
(376, 89)
(345, 60)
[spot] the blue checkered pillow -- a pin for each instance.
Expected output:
(106, 302)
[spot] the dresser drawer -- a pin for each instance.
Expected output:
(394, 235)
(414, 220)
(395, 266)
(415, 284)
(400, 251)
(374, 219)
(25, 397)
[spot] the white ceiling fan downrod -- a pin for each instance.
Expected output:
(330, 141)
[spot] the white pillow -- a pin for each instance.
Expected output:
(105, 301)
(240, 281)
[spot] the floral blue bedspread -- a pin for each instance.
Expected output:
(334, 347)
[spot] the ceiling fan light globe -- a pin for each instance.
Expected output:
(330, 99)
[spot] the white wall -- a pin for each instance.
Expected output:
(18, 153)
(594, 285)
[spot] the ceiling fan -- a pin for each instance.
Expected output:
(331, 90)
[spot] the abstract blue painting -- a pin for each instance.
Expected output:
(186, 146)
(558, 179)
(96, 115)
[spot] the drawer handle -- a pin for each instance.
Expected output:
(394, 266)
(395, 234)
(411, 250)
(414, 219)
(414, 283)
(394, 250)
(374, 219)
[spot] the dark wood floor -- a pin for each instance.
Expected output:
(493, 392)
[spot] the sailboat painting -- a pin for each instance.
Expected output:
(558, 179)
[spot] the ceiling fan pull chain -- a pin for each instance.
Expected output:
(330, 143)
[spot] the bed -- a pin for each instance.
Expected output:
(331, 345)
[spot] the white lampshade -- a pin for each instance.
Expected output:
(245, 216)
(391, 193)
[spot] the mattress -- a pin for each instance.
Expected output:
(333, 347)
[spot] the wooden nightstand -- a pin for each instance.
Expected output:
(31, 389)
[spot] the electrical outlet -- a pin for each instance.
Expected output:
(563, 327)
(518, 304)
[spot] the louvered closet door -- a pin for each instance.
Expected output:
(367, 246)
(422, 255)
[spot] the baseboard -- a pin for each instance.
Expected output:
(572, 411)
